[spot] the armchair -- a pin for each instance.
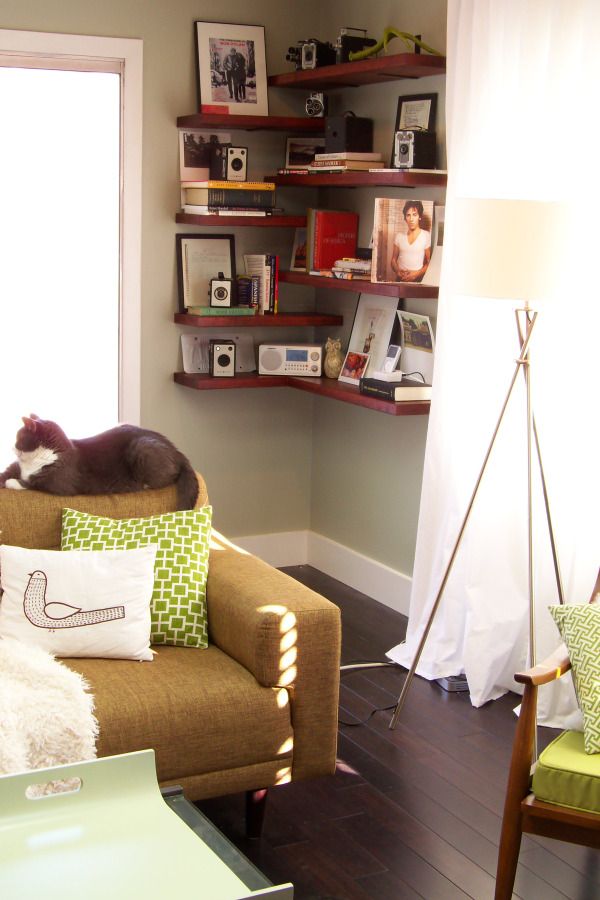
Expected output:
(562, 800)
(257, 708)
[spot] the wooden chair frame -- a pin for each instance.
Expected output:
(523, 813)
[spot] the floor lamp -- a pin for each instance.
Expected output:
(510, 249)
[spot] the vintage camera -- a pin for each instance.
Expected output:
(221, 358)
(351, 43)
(414, 149)
(316, 105)
(228, 163)
(311, 54)
(220, 291)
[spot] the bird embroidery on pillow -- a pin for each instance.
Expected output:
(61, 615)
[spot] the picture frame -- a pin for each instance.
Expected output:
(300, 151)
(373, 328)
(194, 152)
(354, 367)
(231, 68)
(393, 259)
(416, 112)
(201, 257)
(298, 260)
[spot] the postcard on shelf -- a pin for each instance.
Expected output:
(298, 260)
(300, 151)
(194, 152)
(354, 367)
(401, 240)
(373, 327)
(418, 345)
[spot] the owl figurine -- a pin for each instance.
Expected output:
(334, 358)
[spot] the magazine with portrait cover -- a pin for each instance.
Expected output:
(401, 240)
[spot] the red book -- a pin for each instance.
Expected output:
(335, 236)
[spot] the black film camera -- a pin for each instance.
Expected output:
(311, 54)
(351, 43)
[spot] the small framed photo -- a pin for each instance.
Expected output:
(194, 153)
(231, 67)
(354, 368)
(300, 151)
(416, 112)
(298, 260)
(201, 257)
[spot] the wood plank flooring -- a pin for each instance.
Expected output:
(413, 812)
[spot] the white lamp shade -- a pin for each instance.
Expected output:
(513, 249)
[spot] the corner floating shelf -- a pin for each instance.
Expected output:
(364, 71)
(399, 178)
(359, 285)
(323, 387)
(252, 123)
(240, 221)
(279, 320)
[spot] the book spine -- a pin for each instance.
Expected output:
(223, 198)
(377, 390)
(220, 311)
(230, 185)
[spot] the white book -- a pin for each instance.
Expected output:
(255, 264)
(349, 154)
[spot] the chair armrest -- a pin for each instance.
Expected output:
(548, 670)
(288, 636)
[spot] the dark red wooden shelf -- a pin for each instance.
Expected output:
(365, 71)
(240, 221)
(359, 285)
(323, 387)
(279, 320)
(252, 123)
(400, 178)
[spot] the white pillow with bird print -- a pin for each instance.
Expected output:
(80, 603)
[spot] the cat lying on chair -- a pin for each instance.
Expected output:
(121, 460)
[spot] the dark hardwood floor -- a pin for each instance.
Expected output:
(413, 812)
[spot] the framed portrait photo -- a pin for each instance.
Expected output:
(231, 67)
(373, 327)
(354, 368)
(201, 257)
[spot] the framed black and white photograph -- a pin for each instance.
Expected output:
(300, 151)
(201, 257)
(231, 67)
(195, 152)
(416, 112)
(373, 327)
(354, 368)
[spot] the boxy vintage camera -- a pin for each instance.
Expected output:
(351, 43)
(221, 358)
(311, 54)
(414, 150)
(316, 105)
(220, 292)
(228, 163)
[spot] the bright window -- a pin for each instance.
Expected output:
(69, 233)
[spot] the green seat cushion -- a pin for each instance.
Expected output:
(178, 605)
(579, 625)
(565, 774)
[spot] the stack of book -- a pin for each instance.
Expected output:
(346, 161)
(228, 198)
(402, 388)
(350, 267)
(330, 235)
(265, 268)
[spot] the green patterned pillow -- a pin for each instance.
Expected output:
(579, 625)
(178, 605)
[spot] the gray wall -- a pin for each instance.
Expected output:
(276, 459)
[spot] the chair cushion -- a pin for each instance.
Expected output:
(579, 625)
(178, 605)
(199, 712)
(568, 776)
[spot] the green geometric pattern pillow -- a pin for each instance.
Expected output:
(178, 605)
(579, 625)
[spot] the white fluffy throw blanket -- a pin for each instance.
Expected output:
(46, 712)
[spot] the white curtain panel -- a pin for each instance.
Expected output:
(522, 87)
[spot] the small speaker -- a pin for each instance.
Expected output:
(271, 360)
(348, 133)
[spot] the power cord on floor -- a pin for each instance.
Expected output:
(354, 666)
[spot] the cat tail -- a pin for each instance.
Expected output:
(187, 486)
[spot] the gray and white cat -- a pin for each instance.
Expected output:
(121, 460)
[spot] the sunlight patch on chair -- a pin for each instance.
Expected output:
(286, 747)
(284, 776)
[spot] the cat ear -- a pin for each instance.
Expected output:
(29, 423)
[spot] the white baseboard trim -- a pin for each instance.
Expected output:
(297, 548)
